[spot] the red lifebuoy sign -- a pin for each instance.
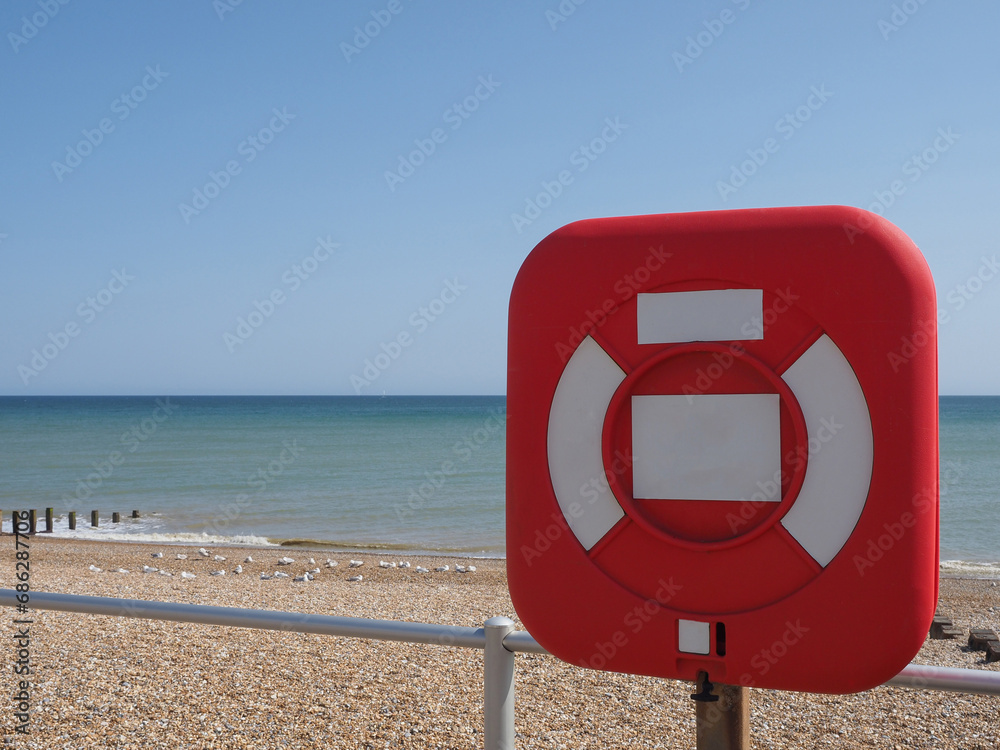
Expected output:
(719, 458)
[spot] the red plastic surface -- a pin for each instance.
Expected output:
(777, 618)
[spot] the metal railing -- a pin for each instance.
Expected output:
(497, 638)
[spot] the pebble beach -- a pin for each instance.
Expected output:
(113, 682)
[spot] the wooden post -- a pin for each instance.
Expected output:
(93, 518)
(32, 520)
(48, 520)
(72, 520)
(722, 724)
(135, 514)
(116, 517)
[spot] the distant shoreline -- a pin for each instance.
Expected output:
(304, 545)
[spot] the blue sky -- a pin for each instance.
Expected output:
(286, 118)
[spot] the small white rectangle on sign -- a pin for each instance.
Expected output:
(711, 315)
(708, 447)
(693, 637)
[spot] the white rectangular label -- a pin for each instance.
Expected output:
(713, 315)
(710, 447)
(693, 637)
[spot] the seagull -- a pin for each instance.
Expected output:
(285, 561)
(311, 561)
(157, 554)
(149, 569)
(219, 558)
(422, 569)
(239, 569)
(441, 569)
(121, 570)
(302, 578)
(460, 568)
(471, 569)
(181, 557)
(249, 559)
(384, 564)
(356, 578)
(404, 565)
(94, 569)
(204, 552)
(357, 563)
(185, 574)
(265, 577)
(281, 574)
(314, 572)
(331, 564)
(165, 573)
(217, 573)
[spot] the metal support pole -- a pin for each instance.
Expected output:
(722, 723)
(498, 685)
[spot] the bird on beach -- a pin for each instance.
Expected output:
(471, 569)
(356, 563)
(204, 552)
(165, 573)
(441, 569)
(330, 564)
(403, 565)
(157, 554)
(459, 568)
(149, 569)
(120, 570)
(356, 578)
(384, 564)
(281, 574)
(285, 561)
(422, 569)
(311, 561)
(185, 574)
(265, 576)
(94, 569)
(238, 569)
(302, 578)
(249, 559)
(217, 573)
(314, 572)
(219, 558)
(182, 557)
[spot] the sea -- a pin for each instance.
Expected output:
(408, 473)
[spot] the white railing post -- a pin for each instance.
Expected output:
(498, 686)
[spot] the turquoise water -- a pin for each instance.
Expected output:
(969, 428)
(397, 472)
(413, 473)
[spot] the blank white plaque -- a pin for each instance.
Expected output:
(707, 447)
(710, 315)
(693, 637)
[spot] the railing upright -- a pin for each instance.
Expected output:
(498, 687)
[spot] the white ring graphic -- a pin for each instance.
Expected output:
(838, 424)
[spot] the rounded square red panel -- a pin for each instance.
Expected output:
(722, 447)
